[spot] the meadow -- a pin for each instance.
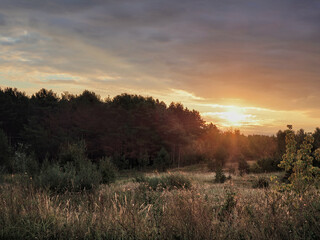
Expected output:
(131, 167)
(187, 206)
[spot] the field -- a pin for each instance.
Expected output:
(132, 209)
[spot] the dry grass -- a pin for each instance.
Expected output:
(123, 210)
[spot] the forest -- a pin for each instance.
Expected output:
(130, 129)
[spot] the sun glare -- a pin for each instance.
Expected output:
(234, 118)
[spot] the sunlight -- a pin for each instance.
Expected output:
(234, 118)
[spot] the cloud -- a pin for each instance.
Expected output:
(254, 53)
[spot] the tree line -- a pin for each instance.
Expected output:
(134, 131)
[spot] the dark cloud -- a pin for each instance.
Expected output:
(2, 20)
(56, 6)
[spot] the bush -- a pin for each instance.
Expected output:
(170, 182)
(269, 164)
(24, 163)
(220, 176)
(228, 206)
(243, 166)
(107, 170)
(261, 182)
(68, 178)
(87, 178)
(74, 173)
(178, 181)
(53, 178)
(74, 153)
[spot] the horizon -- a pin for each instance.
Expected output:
(252, 66)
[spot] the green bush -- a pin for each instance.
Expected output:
(220, 176)
(228, 206)
(87, 177)
(74, 173)
(74, 153)
(261, 182)
(178, 181)
(269, 164)
(68, 178)
(170, 182)
(21, 162)
(107, 170)
(56, 179)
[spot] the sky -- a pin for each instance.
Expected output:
(252, 65)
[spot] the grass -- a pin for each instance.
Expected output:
(124, 210)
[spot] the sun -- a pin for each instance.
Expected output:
(234, 117)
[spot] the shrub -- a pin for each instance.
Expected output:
(228, 205)
(74, 173)
(87, 177)
(24, 163)
(178, 181)
(261, 182)
(108, 170)
(53, 178)
(220, 176)
(68, 178)
(74, 153)
(243, 166)
(269, 164)
(171, 181)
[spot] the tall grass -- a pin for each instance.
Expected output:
(127, 211)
